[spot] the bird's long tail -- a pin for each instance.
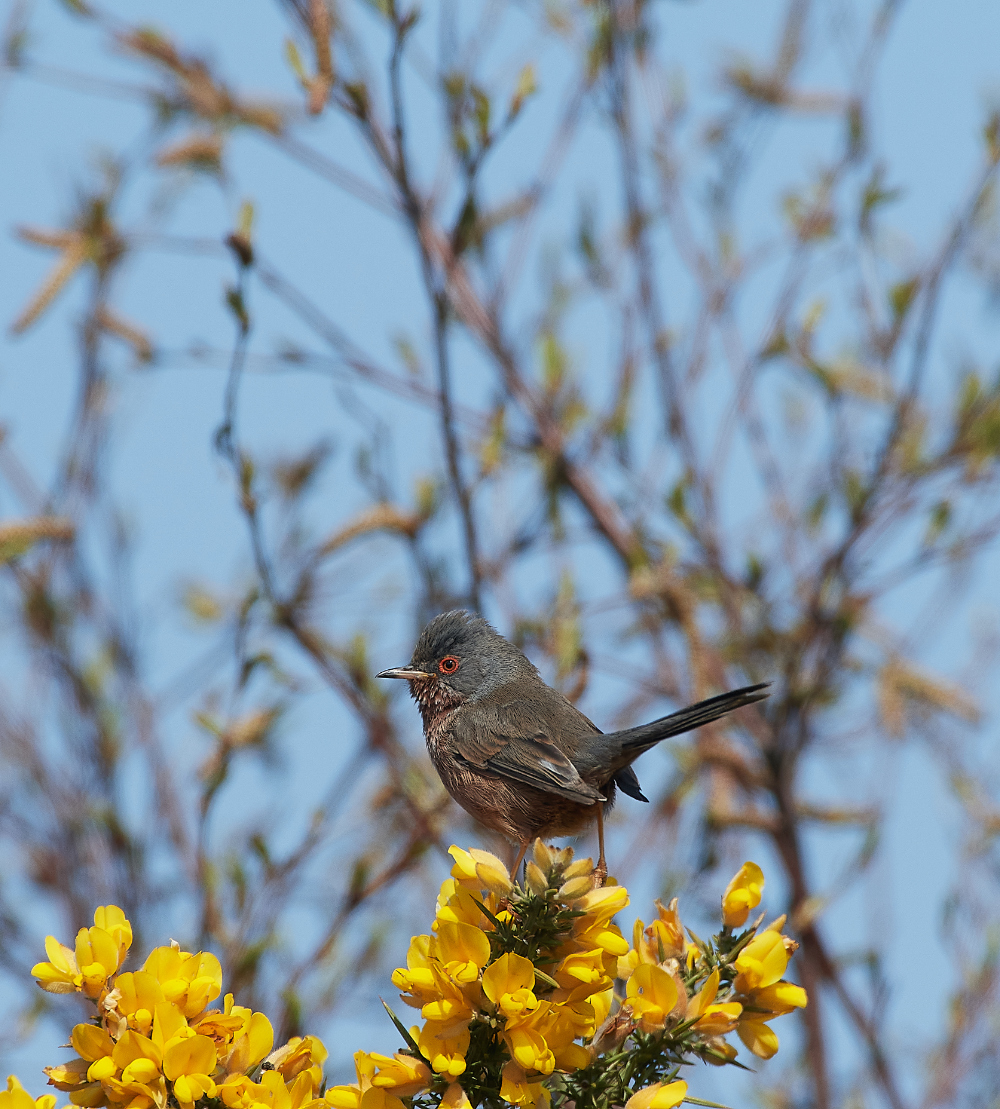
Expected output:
(636, 740)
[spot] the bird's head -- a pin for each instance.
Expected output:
(459, 657)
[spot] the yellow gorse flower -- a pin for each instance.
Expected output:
(456, 979)
(508, 984)
(188, 981)
(382, 1081)
(17, 1097)
(761, 965)
(478, 870)
(155, 1041)
(659, 1096)
(652, 994)
(514, 987)
(444, 1045)
(741, 895)
(710, 1018)
(96, 956)
(518, 1089)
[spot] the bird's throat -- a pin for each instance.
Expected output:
(435, 701)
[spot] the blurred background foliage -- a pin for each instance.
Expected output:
(661, 333)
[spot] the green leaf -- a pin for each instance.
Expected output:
(554, 363)
(294, 59)
(677, 501)
(244, 223)
(481, 115)
(939, 520)
(901, 297)
(526, 86)
(234, 299)
(410, 1042)
(817, 510)
(546, 979)
(754, 572)
(855, 492)
(991, 133)
(486, 913)
(875, 194)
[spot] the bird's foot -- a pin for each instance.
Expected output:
(598, 874)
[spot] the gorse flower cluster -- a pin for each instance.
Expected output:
(516, 989)
(154, 1041)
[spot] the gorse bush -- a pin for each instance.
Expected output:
(516, 987)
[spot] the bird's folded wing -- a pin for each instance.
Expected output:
(496, 742)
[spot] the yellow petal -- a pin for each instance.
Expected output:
(444, 1047)
(132, 1046)
(719, 1020)
(138, 990)
(67, 1075)
(603, 903)
(658, 1096)
(507, 975)
(402, 1074)
(762, 962)
(54, 979)
(758, 1037)
(375, 1098)
(455, 1098)
(60, 956)
(462, 943)
(142, 1071)
(492, 872)
(343, 1097)
(742, 894)
(90, 1095)
(116, 924)
(101, 1068)
(516, 1088)
(652, 994)
(260, 1039)
(90, 1042)
(189, 1088)
(780, 998)
(705, 996)
(164, 963)
(464, 869)
(193, 1055)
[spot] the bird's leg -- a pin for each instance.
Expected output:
(520, 859)
(601, 870)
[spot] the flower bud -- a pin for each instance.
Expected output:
(544, 857)
(719, 1052)
(575, 888)
(742, 894)
(580, 867)
(535, 877)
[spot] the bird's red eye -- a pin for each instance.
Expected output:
(448, 665)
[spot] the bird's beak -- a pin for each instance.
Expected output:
(407, 672)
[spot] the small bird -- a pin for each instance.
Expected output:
(512, 751)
